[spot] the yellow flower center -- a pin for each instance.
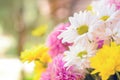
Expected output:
(104, 18)
(89, 8)
(82, 29)
(80, 54)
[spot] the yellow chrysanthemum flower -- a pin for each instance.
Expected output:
(106, 61)
(40, 56)
(41, 65)
(34, 53)
(39, 31)
(39, 68)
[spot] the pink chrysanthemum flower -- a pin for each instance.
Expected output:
(56, 46)
(115, 2)
(57, 71)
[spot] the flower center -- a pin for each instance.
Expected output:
(89, 8)
(82, 29)
(104, 18)
(80, 54)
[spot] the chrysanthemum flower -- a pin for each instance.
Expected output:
(103, 10)
(100, 34)
(41, 58)
(113, 31)
(81, 24)
(34, 53)
(79, 54)
(115, 2)
(106, 61)
(39, 69)
(56, 46)
(108, 30)
(40, 31)
(41, 65)
(57, 71)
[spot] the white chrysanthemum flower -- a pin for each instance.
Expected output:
(79, 55)
(115, 17)
(108, 30)
(113, 31)
(99, 32)
(103, 10)
(106, 12)
(81, 24)
(95, 5)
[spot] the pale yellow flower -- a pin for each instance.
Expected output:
(40, 31)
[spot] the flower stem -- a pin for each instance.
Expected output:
(118, 75)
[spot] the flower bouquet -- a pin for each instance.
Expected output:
(85, 48)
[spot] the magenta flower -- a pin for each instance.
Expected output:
(100, 43)
(57, 71)
(115, 2)
(56, 46)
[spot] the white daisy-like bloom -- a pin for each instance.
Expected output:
(95, 5)
(115, 17)
(103, 10)
(99, 32)
(81, 24)
(79, 54)
(105, 30)
(113, 31)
